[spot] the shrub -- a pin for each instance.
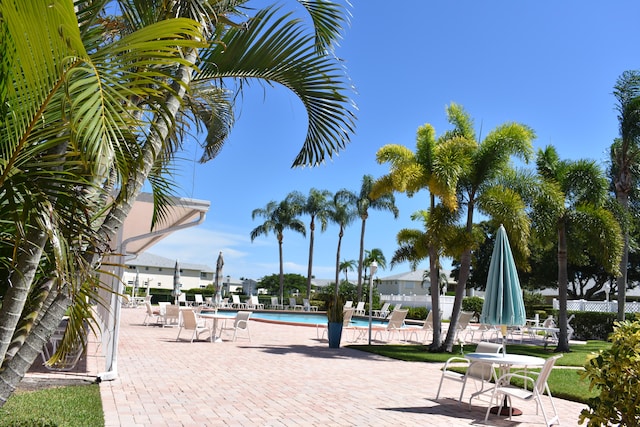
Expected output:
(418, 313)
(473, 304)
(615, 374)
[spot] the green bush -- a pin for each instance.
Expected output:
(473, 304)
(418, 313)
(615, 374)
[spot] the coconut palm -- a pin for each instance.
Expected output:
(117, 95)
(316, 205)
(436, 166)
(625, 162)
(480, 188)
(570, 211)
(346, 266)
(342, 214)
(364, 202)
(278, 218)
(372, 255)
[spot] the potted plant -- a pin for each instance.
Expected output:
(335, 318)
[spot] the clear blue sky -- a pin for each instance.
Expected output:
(549, 65)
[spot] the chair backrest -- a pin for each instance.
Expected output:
(274, 301)
(549, 322)
(198, 298)
(235, 298)
(360, 305)
(397, 307)
(348, 304)
(488, 347)
(242, 319)
(188, 319)
(464, 319)
(347, 315)
(541, 381)
(149, 309)
(396, 319)
(306, 303)
(172, 311)
(147, 298)
(254, 300)
(292, 301)
(385, 307)
(182, 298)
(428, 322)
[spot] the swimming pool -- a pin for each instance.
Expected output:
(301, 319)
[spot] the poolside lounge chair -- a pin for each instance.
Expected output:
(171, 316)
(182, 300)
(346, 324)
(293, 304)
(236, 303)
(395, 325)
(348, 304)
(463, 327)
(240, 323)
(485, 331)
(307, 305)
(427, 328)
(383, 312)
(254, 303)
(275, 304)
(534, 390)
(199, 300)
(190, 322)
(359, 311)
(478, 372)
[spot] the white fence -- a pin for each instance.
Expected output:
(600, 306)
(446, 302)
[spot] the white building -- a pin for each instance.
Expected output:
(155, 271)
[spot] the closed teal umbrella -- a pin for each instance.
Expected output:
(503, 304)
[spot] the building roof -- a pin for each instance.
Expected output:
(413, 276)
(146, 259)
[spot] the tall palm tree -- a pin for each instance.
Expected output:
(117, 95)
(436, 166)
(480, 188)
(364, 201)
(570, 210)
(341, 213)
(346, 266)
(625, 162)
(372, 255)
(278, 218)
(316, 205)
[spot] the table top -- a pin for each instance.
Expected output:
(507, 359)
(216, 316)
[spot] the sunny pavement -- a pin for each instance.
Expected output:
(284, 377)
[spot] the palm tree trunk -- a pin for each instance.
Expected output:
(361, 259)
(435, 297)
(563, 339)
(621, 280)
(312, 229)
(281, 259)
(340, 234)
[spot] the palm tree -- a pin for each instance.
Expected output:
(570, 210)
(436, 166)
(625, 161)
(364, 202)
(346, 266)
(278, 217)
(480, 188)
(316, 205)
(372, 255)
(342, 214)
(117, 95)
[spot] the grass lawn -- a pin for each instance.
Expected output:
(72, 406)
(563, 383)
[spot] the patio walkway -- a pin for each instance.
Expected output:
(283, 377)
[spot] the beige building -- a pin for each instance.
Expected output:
(154, 271)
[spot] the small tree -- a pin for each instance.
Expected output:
(615, 373)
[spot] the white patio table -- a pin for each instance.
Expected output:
(215, 317)
(504, 363)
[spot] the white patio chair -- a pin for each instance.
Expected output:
(307, 305)
(293, 304)
(427, 328)
(199, 300)
(275, 304)
(346, 324)
(254, 303)
(538, 387)
(190, 322)
(463, 326)
(478, 372)
(236, 303)
(395, 325)
(359, 309)
(151, 314)
(240, 323)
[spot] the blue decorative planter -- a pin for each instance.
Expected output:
(334, 333)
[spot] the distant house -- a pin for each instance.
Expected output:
(155, 271)
(409, 283)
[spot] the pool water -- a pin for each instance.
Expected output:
(306, 318)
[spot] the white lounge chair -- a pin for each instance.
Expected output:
(189, 322)
(306, 305)
(236, 303)
(395, 325)
(151, 314)
(348, 304)
(275, 304)
(359, 311)
(479, 372)
(199, 300)
(533, 391)
(463, 326)
(171, 316)
(383, 312)
(293, 304)
(346, 324)
(427, 328)
(254, 303)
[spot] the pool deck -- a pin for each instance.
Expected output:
(284, 377)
